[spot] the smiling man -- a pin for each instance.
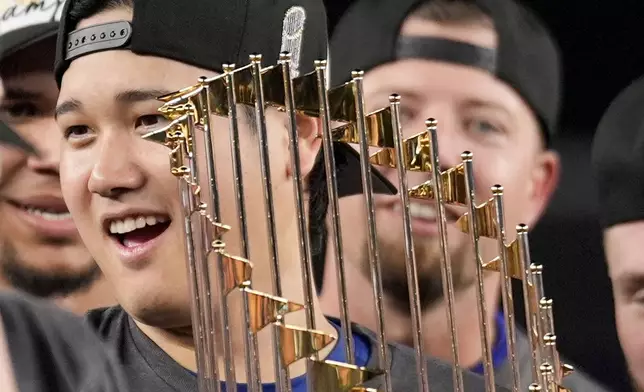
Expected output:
(44, 348)
(488, 71)
(40, 250)
(115, 58)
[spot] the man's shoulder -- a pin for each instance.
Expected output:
(404, 374)
(577, 381)
(440, 373)
(51, 349)
(31, 316)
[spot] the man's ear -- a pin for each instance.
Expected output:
(309, 143)
(545, 178)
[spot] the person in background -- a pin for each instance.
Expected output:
(44, 348)
(618, 168)
(489, 72)
(41, 252)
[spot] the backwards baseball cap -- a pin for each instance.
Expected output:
(526, 58)
(26, 22)
(618, 158)
(209, 34)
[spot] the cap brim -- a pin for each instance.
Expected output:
(347, 161)
(19, 39)
(9, 138)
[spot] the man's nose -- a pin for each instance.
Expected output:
(116, 170)
(449, 146)
(46, 140)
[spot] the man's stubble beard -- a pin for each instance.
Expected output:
(428, 259)
(44, 284)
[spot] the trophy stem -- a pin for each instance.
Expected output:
(411, 265)
(446, 264)
(254, 379)
(374, 257)
(281, 371)
(298, 190)
(536, 276)
(332, 190)
(229, 360)
(206, 364)
(506, 287)
(200, 243)
(480, 290)
(551, 340)
(528, 301)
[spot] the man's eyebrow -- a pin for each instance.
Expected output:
(127, 96)
(483, 103)
(69, 106)
(139, 95)
(406, 93)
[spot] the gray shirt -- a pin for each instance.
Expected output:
(53, 351)
(576, 382)
(148, 368)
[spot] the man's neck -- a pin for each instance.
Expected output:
(181, 347)
(437, 335)
(437, 338)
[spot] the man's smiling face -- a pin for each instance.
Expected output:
(120, 190)
(42, 252)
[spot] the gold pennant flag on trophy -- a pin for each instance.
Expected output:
(267, 309)
(299, 343)
(335, 376)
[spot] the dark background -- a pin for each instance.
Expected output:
(601, 44)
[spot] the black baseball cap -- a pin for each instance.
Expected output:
(209, 34)
(527, 57)
(25, 23)
(618, 158)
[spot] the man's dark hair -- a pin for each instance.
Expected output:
(83, 9)
(316, 186)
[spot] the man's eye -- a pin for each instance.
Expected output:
(21, 110)
(407, 114)
(153, 121)
(76, 132)
(638, 297)
(482, 126)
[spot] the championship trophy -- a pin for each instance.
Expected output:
(254, 86)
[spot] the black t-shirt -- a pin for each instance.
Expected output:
(148, 368)
(54, 351)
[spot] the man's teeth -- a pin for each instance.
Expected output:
(423, 211)
(123, 226)
(419, 210)
(48, 215)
